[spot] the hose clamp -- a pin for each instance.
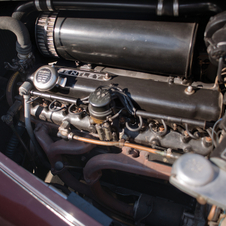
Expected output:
(176, 7)
(160, 8)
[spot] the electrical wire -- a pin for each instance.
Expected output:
(84, 98)
(219, 71)
(32, 100)
(124, 98)
(213, 132)
(161, 134)
(55, 108)
(75, 113)
(190, 134)
(69, 109)
(135, 129)
(115, 116)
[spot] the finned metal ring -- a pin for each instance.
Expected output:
(37, 5)
(160, 8)
(44, 33)
(176, 7)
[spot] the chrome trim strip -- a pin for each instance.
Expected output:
(176, 7)
(49, 204)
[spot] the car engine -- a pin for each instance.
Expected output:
(121, 103)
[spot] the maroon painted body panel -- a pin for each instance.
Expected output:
(26, 201)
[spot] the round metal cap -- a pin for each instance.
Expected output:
(45, 78)
(193, 169)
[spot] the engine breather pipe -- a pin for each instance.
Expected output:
(28, 126)
(24, 91)
(122, 144)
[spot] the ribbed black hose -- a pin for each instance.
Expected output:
(23, 44)
(14, 142)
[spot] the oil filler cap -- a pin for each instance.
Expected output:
(46, 77)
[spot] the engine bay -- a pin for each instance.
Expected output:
(122, 104)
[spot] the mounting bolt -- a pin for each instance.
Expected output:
(155, 142)
(59, 165)
(207, 141)
(174, 126)
(169, 150)
(187, 149)
(189, 90)
(107, 76)
(171, 80)
(134, 153)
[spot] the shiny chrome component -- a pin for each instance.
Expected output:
(189, 90)
(176, 7)
(160, 8)
(44, 33)
(46, 77)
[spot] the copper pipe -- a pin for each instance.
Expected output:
(98, 142)
(212, 213)
(125, 144)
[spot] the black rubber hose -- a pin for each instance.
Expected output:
(23, 44)
(23, 10)
(14, 142)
